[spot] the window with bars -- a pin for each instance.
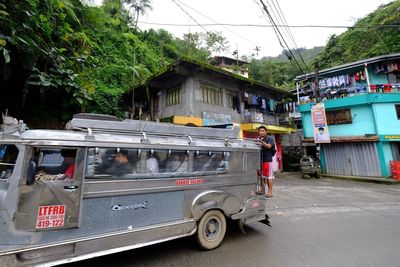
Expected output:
(174, 96)
(230, 99)
(210, 94)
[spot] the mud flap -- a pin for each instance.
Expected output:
(266, 221)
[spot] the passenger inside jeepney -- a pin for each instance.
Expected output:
(49, 167)
(152, 162)
(177, 162)
(8, 157)
(121, 165)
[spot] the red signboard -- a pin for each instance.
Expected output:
(50, 216)
(189, 181)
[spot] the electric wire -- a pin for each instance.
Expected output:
(275, 30)
(280, 34)
(289, 32)
(217, 23)
(274, 11)
(271, 26)
(190, 16)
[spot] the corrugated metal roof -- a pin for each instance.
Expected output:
(350, 65)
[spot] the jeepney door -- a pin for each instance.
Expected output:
(51, 188)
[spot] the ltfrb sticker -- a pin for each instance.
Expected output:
(50, 216)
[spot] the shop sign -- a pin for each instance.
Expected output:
(390, 138)
(210, 119)
(320, 127)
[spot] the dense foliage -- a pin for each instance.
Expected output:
(280, 71)
(366, 39)
(58, 57)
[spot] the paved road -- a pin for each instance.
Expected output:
(323, 222)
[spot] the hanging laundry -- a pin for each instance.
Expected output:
(379, 68)
(263, 104)
(272, 105)
(357, 76)
(362, 76)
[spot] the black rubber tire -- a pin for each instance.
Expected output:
(211, 230)
(93, 116)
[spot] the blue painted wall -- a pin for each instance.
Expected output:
(387, 157)
(371, 114)
(387, 122)
(363, 123)
(376, 78)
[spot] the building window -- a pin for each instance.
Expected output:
(394, 78)
(210, 94)
(232, 100)
(398, 111)
(342, 116)
(174, 96)
(229, 99)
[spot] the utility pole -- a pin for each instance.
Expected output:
(133, 84)
(316, 88)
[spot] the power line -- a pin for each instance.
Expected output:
(198, 24)
(276, 32)
(198, 12)
(280, 35)
(289, 32)
(270, 26)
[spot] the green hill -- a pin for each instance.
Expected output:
(376, 34)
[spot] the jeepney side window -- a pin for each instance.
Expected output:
(177, 161)
(206, 161)
(113, 162)
(54, 164)
(8, 157)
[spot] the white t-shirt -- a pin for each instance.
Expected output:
(152, 165)
(322, 137)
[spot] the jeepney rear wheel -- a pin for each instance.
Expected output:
(211, 230)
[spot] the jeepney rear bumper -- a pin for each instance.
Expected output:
(253, 211)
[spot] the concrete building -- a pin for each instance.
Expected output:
(362, 104)
(237, 66)
(190, 92)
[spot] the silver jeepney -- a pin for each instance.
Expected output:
(49, 219)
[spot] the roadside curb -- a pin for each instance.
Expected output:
(377, 180)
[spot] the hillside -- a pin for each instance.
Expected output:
(378, 33)
(59, 57)
(307, 54)
(369, 37)
(279, 71)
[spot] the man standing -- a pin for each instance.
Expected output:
(267, 152)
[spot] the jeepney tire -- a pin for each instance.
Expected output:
(211, 230)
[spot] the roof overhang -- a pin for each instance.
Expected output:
(352, 65)
(186, 66)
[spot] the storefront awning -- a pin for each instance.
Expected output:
(275, 129)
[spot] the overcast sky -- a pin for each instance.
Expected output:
(300, 12)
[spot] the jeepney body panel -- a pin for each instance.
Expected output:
(95, 213)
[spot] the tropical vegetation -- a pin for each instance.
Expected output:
(59, 57)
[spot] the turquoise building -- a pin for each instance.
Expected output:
(362, 105)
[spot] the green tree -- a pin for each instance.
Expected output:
(370, 36)
(139, 7)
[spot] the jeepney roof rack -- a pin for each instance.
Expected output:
(11, 126)
(139, 127)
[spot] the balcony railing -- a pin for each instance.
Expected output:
(257, 116)
(333, 93)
